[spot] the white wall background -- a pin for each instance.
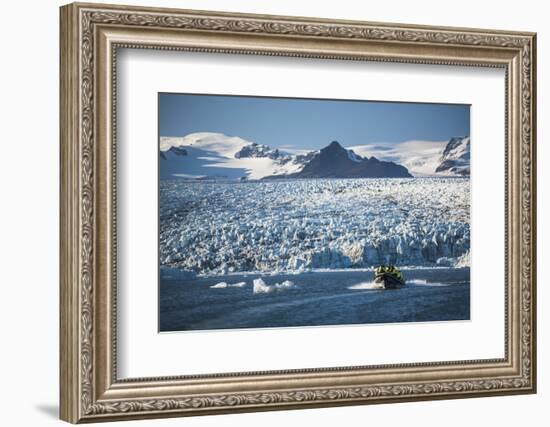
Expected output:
(29, 170)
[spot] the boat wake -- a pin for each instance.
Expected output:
(366, 285)
(418, 282)
(412, 283)
(423, 282)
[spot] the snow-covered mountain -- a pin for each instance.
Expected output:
(254, 150)
(423, 158)
(455, 159)
(215, 155)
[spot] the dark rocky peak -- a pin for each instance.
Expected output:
(178, 151)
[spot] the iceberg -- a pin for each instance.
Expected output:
(221, 285)
(224, 285)
(260, 287)
(286, 284)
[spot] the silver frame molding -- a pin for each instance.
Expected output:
(90, 37)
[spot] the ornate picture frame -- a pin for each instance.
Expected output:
(90, 37)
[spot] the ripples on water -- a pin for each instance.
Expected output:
(314, 299)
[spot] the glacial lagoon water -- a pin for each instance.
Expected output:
(311, 299)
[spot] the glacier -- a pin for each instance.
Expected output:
(214, 228)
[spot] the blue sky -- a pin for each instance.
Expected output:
(310, 123)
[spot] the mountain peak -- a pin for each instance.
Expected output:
(216, 155)
(456, 143)
(335, 161)
(455, 159)
(334, 147)
(208, 141)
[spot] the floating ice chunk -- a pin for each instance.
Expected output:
(238, 285)
(221, 285)
(287, 284)
(260, 287)
(224, 285)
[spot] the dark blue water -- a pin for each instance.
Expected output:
(327, 298)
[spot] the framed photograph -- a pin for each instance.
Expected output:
(266, 212)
